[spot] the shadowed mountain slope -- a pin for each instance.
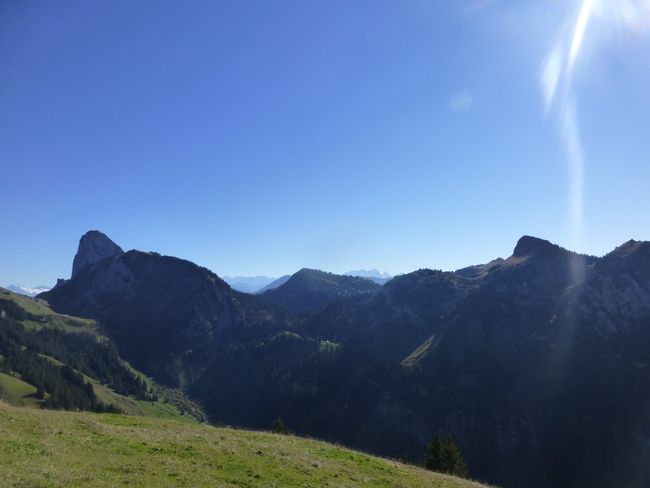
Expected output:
(275, 283)
(165, 313)
(536, 364)
(310, 289)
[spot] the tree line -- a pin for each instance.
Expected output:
(36, 355)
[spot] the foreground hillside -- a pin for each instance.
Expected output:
(46, 448)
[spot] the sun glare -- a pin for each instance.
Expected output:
(629, 14)
(579, 32)
(599, 19)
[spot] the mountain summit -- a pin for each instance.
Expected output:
(94, 246)
(534, 246)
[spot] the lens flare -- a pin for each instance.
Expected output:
(551, 75)
(557, 73)
(600, 20)
(579, 31)
(576, 166)
(631, 15)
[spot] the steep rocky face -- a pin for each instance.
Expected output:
(94, 247)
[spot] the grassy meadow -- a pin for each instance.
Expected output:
(42, 448)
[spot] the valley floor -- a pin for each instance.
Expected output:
(62, 449)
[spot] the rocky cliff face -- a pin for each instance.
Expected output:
(94, 247)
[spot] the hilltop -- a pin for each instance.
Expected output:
(312, 289)
(58, 449)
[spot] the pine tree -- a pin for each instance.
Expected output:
(445, 456)
(434, 458)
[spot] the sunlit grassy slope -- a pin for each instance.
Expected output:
(17, 392)
(46, 317)
(64, 449)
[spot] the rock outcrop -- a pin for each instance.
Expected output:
(94, 246)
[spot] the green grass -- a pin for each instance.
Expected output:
(46, 317)
(130, 405)
(62, 449)
(16, 392)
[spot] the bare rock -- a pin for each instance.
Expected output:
(94, 246)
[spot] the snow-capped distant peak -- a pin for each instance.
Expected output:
(379, 277)
(369, 273)
(28, 290)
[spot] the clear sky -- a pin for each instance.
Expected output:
(258, 137)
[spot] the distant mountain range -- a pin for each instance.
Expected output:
(275, 283)
(28, 290)
(248, 284)
(260, 284)
(379, 277)
(538, 365)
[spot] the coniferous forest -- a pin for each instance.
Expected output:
(59, 363)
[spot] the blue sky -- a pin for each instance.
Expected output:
(260, 137)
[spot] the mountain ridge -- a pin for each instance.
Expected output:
(474, 353)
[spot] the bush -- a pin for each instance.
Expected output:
(278, 426)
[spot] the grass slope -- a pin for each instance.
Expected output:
(127, 404)
(19, 393)
(16, 392)
(47, 317)
(133, 406)
(62, 449)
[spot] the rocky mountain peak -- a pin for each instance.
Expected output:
(533, 246)
(94, 246)
(632, 247)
